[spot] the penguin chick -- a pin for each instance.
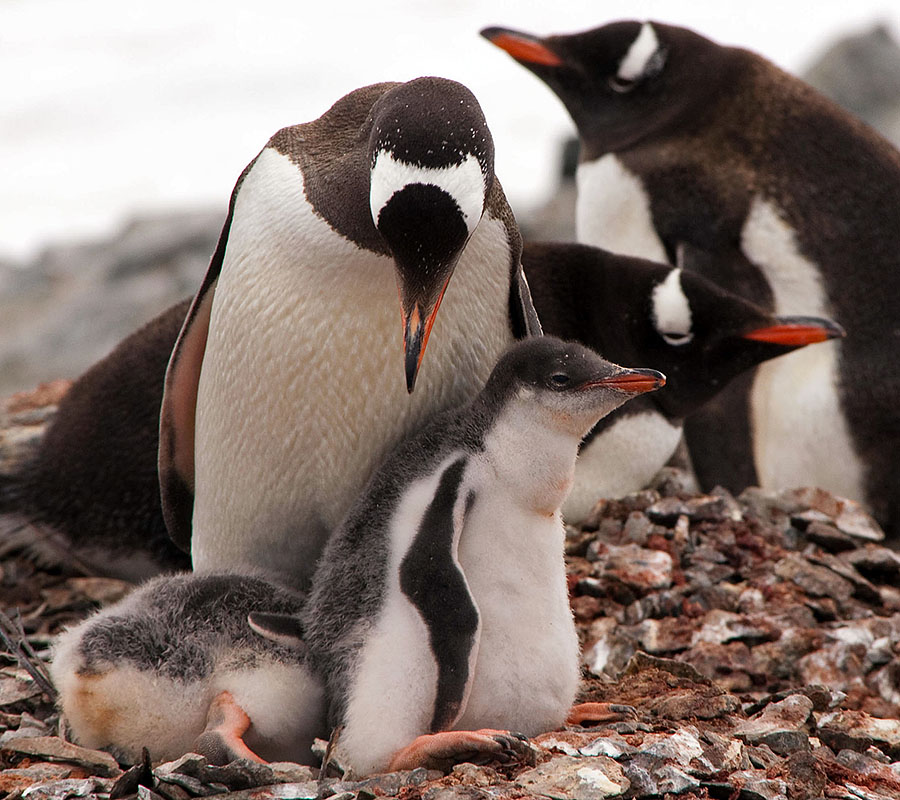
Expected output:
(175, 667)
(782, 197)
(648, 314)
(89, 494)
(291, 368)
(439, 614)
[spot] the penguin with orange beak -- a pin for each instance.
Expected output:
(291, 378)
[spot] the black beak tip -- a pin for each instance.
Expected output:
(412, 369)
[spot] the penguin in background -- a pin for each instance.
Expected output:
(648, 314)
(778, 195)
(88, 495)
(175, 667)
(291, 378)
(427, 652)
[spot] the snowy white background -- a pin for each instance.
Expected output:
(109, 108)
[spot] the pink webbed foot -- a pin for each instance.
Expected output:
(443, 750)
(226, 723)
(593, 713)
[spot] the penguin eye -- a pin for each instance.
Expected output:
(621, 85)
(677, 339)
(559, 379)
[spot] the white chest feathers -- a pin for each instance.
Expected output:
(623, 458)
(613, 210)
(800, 434)
(523, 661)
(302, 391)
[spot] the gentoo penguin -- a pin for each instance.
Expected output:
(780, 196)
(648, 314)
(89, 494)
(439, 615)
(292, 379)
(175, 667)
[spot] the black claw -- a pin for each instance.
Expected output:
(618, 708)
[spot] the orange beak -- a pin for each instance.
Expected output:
(632, 381)
(416, 331)
(797, 331)
(522, 47)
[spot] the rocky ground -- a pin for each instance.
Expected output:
(757, 639)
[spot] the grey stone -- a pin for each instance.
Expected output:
(783, 727)
(613, 746)
(66, 789)
(52, 748)
(570, 778)
(856, 730)
(814, 580)
(878, 564)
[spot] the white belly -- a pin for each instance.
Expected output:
(620, 460)
(526, 672)
(613, 210)
(302, 391)
(800, 434)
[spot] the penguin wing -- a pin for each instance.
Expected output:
(433, 581)
(179, 403)
(525, 316)
(176, 420)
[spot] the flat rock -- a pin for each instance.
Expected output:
(856, 730)
(52, 748)
(815, 580)
(783, 727)
(569, 778)
(638, 567)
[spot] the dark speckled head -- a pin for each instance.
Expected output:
(432, 166)
(565, 377)
(623, 81)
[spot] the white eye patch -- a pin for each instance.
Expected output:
(644, 57)
(671, 310)
(463, 182)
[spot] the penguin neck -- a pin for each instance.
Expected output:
(532, 454)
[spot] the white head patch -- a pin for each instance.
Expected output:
(671, 310)
(644, 53)
(463, 182)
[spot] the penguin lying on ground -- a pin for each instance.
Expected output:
(89, 494)
(175, 667)
(285, 388)
(778, 195)
(439, 614)
(651, 315)
(440, 605)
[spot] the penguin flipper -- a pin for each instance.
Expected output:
(176, 420)
(530, 323)
(285, 629)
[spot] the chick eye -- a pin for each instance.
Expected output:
(621, 85)
(677, 339)
(559, 379)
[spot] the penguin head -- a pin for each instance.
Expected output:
(622, 81)
(431, 169)
(570, 386)
(702, 336)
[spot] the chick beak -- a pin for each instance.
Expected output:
(631, 381)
